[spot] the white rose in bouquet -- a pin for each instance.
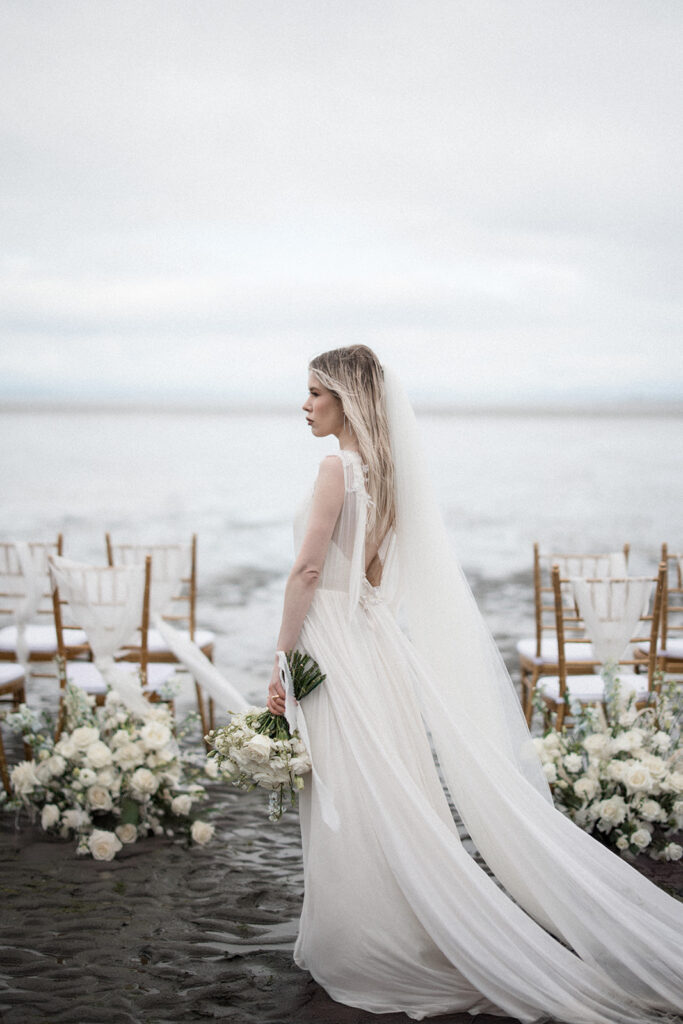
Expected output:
(98, 755)
(103, 845)
(144, 781)
(181, 804)
(84, 735)
(87, 777)
(155, 735)
(24, 778)
(672, 851)
(259, 748)
(211, 768)
(126, 833)
(99, 798)
(119, 739)
(202, 832)
(622, 843)
(49, 816)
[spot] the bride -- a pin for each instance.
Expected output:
(397, 916)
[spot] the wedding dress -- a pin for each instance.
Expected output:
(397, 916)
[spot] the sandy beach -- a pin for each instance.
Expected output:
(171, 933)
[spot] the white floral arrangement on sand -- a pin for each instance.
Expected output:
(109, 779)
(617, 772)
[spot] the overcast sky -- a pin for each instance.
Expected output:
(196, 197)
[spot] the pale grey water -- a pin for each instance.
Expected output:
(572, 482)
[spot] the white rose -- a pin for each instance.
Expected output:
(120, 738)
(181, 804)
(573, 762)
(637, 778)
(202, 832)
(640, 838)
(613, 810)
(585, 788)
(24, 778)
(650, 810)
(211, 768)
(661, 741)
(99, 798)
(66, 747)
(672, 851)
(622, 843)
(551, 741)
(550, 772)
(98, 755)
(144, 781)
(596, 743)
(628, 717)
(103, 845)
(615, 770)
(107, 776)
(84, 736)
(626, 741)
(155, 735)
(49, 816)
(259, 748)
(75, 818)
(675, 782)
(43, 773)
(126, 833)
(56, 765)
(129, 756)
(87, 776)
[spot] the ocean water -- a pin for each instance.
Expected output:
(572, 482)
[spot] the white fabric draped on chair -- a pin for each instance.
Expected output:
(107, 604)
(611, 610)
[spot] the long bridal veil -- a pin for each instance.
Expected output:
(572, 885)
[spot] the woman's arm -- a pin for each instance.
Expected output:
(328, 498)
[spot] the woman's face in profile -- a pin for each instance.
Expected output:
(323, 409)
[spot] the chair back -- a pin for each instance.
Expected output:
(612, 614)
(15, 587)
(109, 603)
(672, 601)
(173, 591)
(613, 563)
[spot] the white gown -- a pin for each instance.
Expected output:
(397, 916)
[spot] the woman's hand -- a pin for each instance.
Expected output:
(276, 693)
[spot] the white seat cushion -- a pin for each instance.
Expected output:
(157, 645)
(673, 649)
(572, 651)
(87, 677)
(592, 687)
(40, 639)
(10, 672)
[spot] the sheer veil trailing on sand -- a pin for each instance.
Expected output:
(577, 889)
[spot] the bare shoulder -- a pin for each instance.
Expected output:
(331, 474)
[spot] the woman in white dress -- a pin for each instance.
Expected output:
(397, 916)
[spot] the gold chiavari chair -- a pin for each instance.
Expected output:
(670, 650)
(563, 688)
(538, 655)
(174, 567)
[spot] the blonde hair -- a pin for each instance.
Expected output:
(354, 375)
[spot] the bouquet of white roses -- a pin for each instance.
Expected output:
(618, 771)
(256, 748)
(109, 779)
